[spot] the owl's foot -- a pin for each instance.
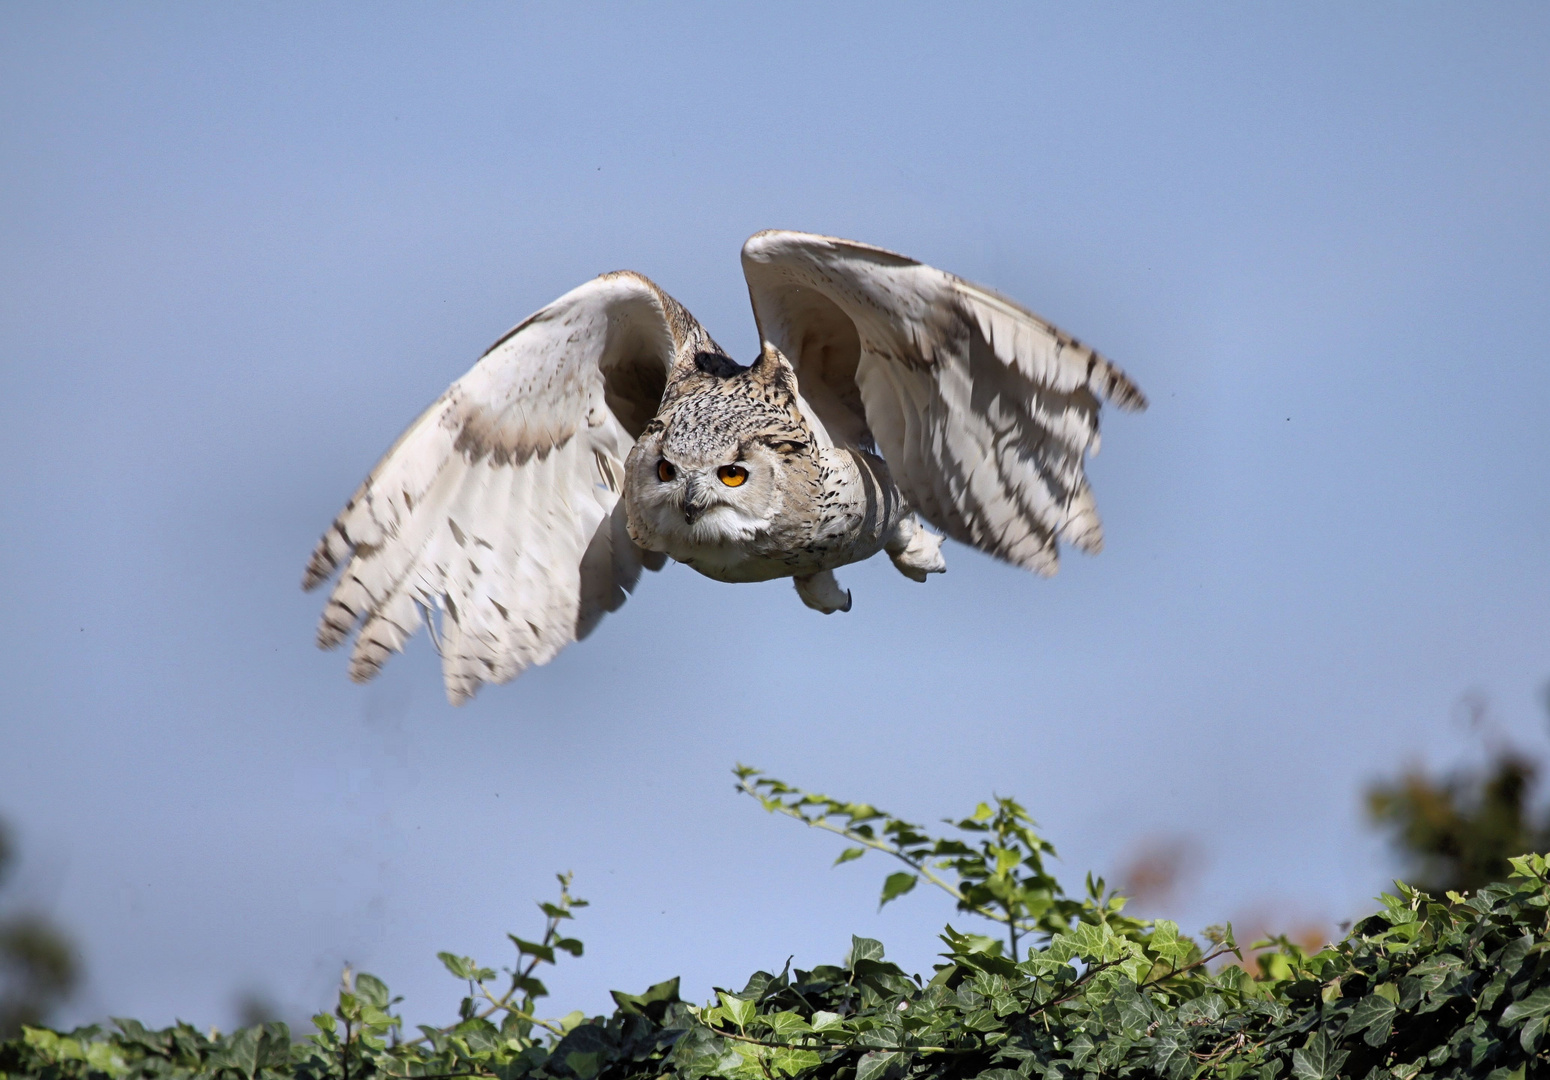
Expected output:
(915, 550)
(822, 593)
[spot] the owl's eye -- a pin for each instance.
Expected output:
(732, 475)
(665, 471)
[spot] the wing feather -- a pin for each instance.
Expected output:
(496, 514)
(984, 411)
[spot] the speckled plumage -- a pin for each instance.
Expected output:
(609, 430)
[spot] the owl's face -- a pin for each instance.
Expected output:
(687, 492)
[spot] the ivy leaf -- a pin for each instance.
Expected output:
(1135, 1015)
(790, 1062)
(1529, 1038)
(880, 1065)
(896, 885)
(652, 1003)
(863, 948)
(787, 1024)
(241, 1053)
(850, 853)
(1317, 1060)
(533, 948)
(371, 990)
(827, 1021)
(1171, 1052)
(1373, 1014)
(738, 1010)
(461, 966)
(1536, 1004)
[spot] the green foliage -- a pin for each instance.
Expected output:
(38, 969)
(1421, 989)
(1459, 830)
(1000, 875)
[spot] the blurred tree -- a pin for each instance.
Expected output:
(38, 968)
(1457, 830)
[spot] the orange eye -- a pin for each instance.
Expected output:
(732, 475)
(665, 471)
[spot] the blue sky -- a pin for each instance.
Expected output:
(244, 245)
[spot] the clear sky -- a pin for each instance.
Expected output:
(241, 246)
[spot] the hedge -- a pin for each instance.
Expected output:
(1069, 987)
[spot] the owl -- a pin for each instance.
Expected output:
(608, 433)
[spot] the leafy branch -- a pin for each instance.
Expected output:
(1001, 876)
(529, 955)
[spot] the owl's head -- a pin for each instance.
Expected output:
(723, 466)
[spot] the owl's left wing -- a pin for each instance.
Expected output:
(984, 411)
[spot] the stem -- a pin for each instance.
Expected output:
(776, 806)
(836, 1046)
(503, 1003)
(1071, 991)
(1220, 950)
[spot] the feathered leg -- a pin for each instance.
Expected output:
(915, 550)
(822, 593)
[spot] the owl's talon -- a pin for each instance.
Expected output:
(822, 593)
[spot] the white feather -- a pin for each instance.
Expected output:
(983, 410)
(486, 508)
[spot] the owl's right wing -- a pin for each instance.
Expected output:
(984, 411)
(500, 506)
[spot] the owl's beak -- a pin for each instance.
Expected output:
(695, 503)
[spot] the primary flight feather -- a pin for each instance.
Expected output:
(608, 431)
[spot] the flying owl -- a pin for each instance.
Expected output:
(609, 432)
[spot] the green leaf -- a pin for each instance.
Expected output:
(371, 990)
(652, 1003)
(880, 1065)
(569, 944)
(1170, 1054)
(1166, 943)
(850, 853)
(241, 1053)
(863, 948)
(790, 1062)
(896, 885)
(1373, 1014)
(584, 1065)
(827, 1021)
(786, 1024)
(480, 1036)
(461, 966)
(104, 1058)
(572, 1020)
(1317, 1060)
(533, 948)
(1135, 1014)
(1536, 1004)
(737, 1009)
(1529, 1037)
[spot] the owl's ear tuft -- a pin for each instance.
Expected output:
(773, 369)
